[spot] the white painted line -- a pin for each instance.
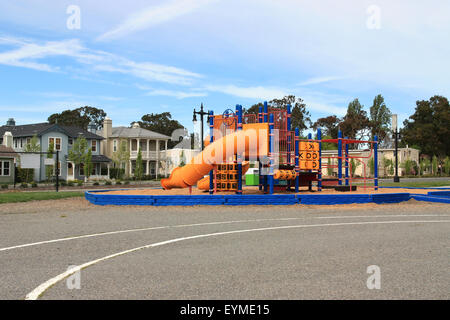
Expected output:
(197, 225)
(37, 292)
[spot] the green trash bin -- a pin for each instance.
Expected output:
(252, 177)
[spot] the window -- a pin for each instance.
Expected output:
(56, 142)
(115, 146)
(5, 168)
(70, 142)
(82, 169)
(94, 145)
(16, 144)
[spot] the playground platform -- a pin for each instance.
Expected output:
(252, 196)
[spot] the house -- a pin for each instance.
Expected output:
(7, 161)
(178, 156)
(364, 155)
(62, 138)
(153, 147)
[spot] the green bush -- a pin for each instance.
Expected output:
(5, 186)
(34, 185)
(96, 184)
(108, 183)
(25, 175)
(118, 183)
(80, 184)
(126, 182)
(70, 183)
(24, 185)
(116, 173)
(64, 184)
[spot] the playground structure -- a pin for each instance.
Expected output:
(286, 162)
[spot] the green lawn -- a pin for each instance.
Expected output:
(12, 197)
(416, 184)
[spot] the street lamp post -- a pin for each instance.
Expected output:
(201, 113)
(395, 136)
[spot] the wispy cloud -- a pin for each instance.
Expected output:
(319, 80)
(29, 53)
(176, 94)
(258, 92)
(152, 16)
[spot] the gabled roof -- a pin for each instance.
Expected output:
(7, 152)
(39, 129)
(124, 132)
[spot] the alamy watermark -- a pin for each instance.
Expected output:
(74, 280)
(374, 280)
(74, 20)
(373, 21)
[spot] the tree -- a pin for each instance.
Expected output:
(80, 117)
(161, 123)
(354, 164)
(182, 159)
(300, 117)
(388, 166)
(380, 119)
(447, 165)
(424, 165)
(372, 166)
(429, 127)
(49, 168)
(139, 170)
(408, 165)
(330, 125)
(33, 145)
(121, 156)
(329, 167)
(355, 122)
(88, 166)
(78, 153)
(434, 165)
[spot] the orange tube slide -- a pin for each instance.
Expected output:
(252, 141)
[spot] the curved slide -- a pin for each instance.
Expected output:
(252, 141)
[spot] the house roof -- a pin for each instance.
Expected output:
(7, 152)
(124, 132)
(100, 159)
(39, 129)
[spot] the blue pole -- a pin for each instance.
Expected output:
(211, 140)
(265, 120)
(340, 157)
(297, 151)
(288, 160)
(239, 155)
(346, 163)
(319, 137)
(375, 162)
(310, 182)
(271, 127)
(260, 120)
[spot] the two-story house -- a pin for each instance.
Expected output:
(62, 138)
(153, 147)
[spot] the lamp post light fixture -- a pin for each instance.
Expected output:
(201, 113)
(395, 135)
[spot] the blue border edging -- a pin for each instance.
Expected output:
(420, 197)
(241, 200)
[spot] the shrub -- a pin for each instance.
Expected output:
(70, 183)
(34, 185)
(126, 182)
(116, 173)
(64, 184)
(96, 184)
(118, 183)
(5, 186)
(25, 175)
(24, 185)
(108, 183)
(80, 184)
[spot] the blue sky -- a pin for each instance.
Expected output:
(137, 57)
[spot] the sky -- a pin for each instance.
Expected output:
(136, 57)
